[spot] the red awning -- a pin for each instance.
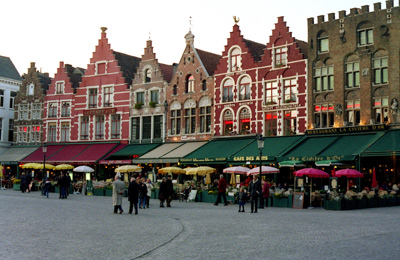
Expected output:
(94, 153)
(67, 153)
(37, 156)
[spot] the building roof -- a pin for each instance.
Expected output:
(167, 71)
(7, 69)
(44, 80)
(256, 49)
(303, 47)
(209, 60)
(128, 64)
(74, 74)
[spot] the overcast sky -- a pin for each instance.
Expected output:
(50, 31)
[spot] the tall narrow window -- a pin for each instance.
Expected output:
(280, 56)
(290, 122)
(323, 77)
(52, 132)
(365, 35)
(65, 109)
(99, 127)
(101, 68)
(146, 130)
(244, 121)
(204, 85)
(147, 76)
(271, 93)
(154, 96)
(60, 87)
(35, 134)
(353, 113)
(271, 123)
(228, 91)
(190, 120)
(157, 127)
(13, 94)
(23, 135)
(228, 122)
(52, 110)
(92, 98)
(244, 87)
(1, 129)
(175, 90)
(189, 84)
(135, 134)
(205, 119)
(323, 42)
(353, 74)
(37, 110)
(64, 132)
(381, 110)
(324, 115)
(84, 128)
(108, 96)
(235, 60)
(380, 67)
(10, 130)
(290, 88)
(115, 126)
(175, 122)
(140, 97)
(23, 111)
(1, 97)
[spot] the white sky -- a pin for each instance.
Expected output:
(50, 31)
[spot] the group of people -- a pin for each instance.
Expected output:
(64, 182)
(139, 192)
(26, 183)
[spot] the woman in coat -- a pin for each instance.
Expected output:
(163, 193)
(118, 191)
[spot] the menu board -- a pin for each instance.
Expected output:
(298, 200)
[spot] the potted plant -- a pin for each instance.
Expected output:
(152, 104)
(16, 184)
(138, 106)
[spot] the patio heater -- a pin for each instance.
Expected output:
(260, 144)
(44, 149)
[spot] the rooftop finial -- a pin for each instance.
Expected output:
(149, 36)
(103, 29)
(236, 19)
(190, 23)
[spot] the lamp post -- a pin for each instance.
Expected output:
(260, 144)
(44, 149)
(165, 118)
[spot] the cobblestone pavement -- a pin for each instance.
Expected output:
(83, 227)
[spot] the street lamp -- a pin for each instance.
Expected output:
(260, 144)
(165, 118)
(44, 149)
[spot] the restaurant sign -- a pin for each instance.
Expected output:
(98, 112)
(249, 158)
(203, 160)
(319, 158)
(347, 130)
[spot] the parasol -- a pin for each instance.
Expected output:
(128, 168)
(208, 179)
(349, 173)
(264, 170)
(201, 170)
(175, 170)
(83, 168)
(30, 165)
(236, 170)
(312, 173)
(232, 181)
(64, 167)
(39, 166)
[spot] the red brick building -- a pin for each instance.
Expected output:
(190, 95)
(148, 97)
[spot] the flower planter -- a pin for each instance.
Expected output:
(391, 202)
(398, 201)
(333, 204)
(98, 192)
(349, 204)
(17, 186)
(280, 202)
(372, 202)
(382, 202)
(361, 204)
(57, 189)
(108, 192)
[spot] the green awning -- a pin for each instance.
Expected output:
(329, 148)
(132, 151)
(291, 164)
(273, 146)
(387, 145)
(217, 151)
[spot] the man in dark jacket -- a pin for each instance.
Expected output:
(255, 191)
(28, 182)
(67, 184)
(170, 190)
(133, 194)
(163, 192)
(23, 183)
(222, 184)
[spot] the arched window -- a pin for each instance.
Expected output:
(189, 84)
(228, 122)
(323, 76)
(175, 90)
(204, 85)
(235, 60)
(244, 121)
(228, 91)
(147, 76)
(244, 88)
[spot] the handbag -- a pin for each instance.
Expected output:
(161, 198)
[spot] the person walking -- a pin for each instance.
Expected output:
(67, 184)
(163, 192)
(28, 182)
(23, 183)
(149, 188)
(265, 193)
(133, 195)
(222, 184)
(62, 183)
(46, 188)
(142, 194)
(242, 199)
(255, 192)
(118, 191)
(170, 190)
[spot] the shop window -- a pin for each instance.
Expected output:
(228, 122)
(353, 113)
(228, 91)
(271, 123)
(324, 115)
(381, 110)
(244, 88)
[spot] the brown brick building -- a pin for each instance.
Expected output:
(190, 95)
(353, 70)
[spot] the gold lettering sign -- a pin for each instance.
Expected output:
(97, 112)
(352, 129)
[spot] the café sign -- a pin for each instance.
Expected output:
(249, 158)
(343, 130)
(98, 112)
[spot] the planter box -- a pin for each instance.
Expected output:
(372, 203)
(209, 197)
(280, 202)
(382, 202)
(349, 204)
(290, 201)
(17, 186)
(108, 192)
(57, 189)
(333, 204)
(391, 202)
(98, 192)
(398, 201)
(361, 204)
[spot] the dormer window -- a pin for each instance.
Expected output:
(147, 76)
(235, 60)
(280, 56)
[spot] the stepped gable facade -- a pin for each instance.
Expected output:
(353, 67)
(28, 112)
(148, 99)
(190, 95)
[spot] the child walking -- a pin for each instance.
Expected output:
(242, 199)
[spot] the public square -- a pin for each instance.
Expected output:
(84, 227)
